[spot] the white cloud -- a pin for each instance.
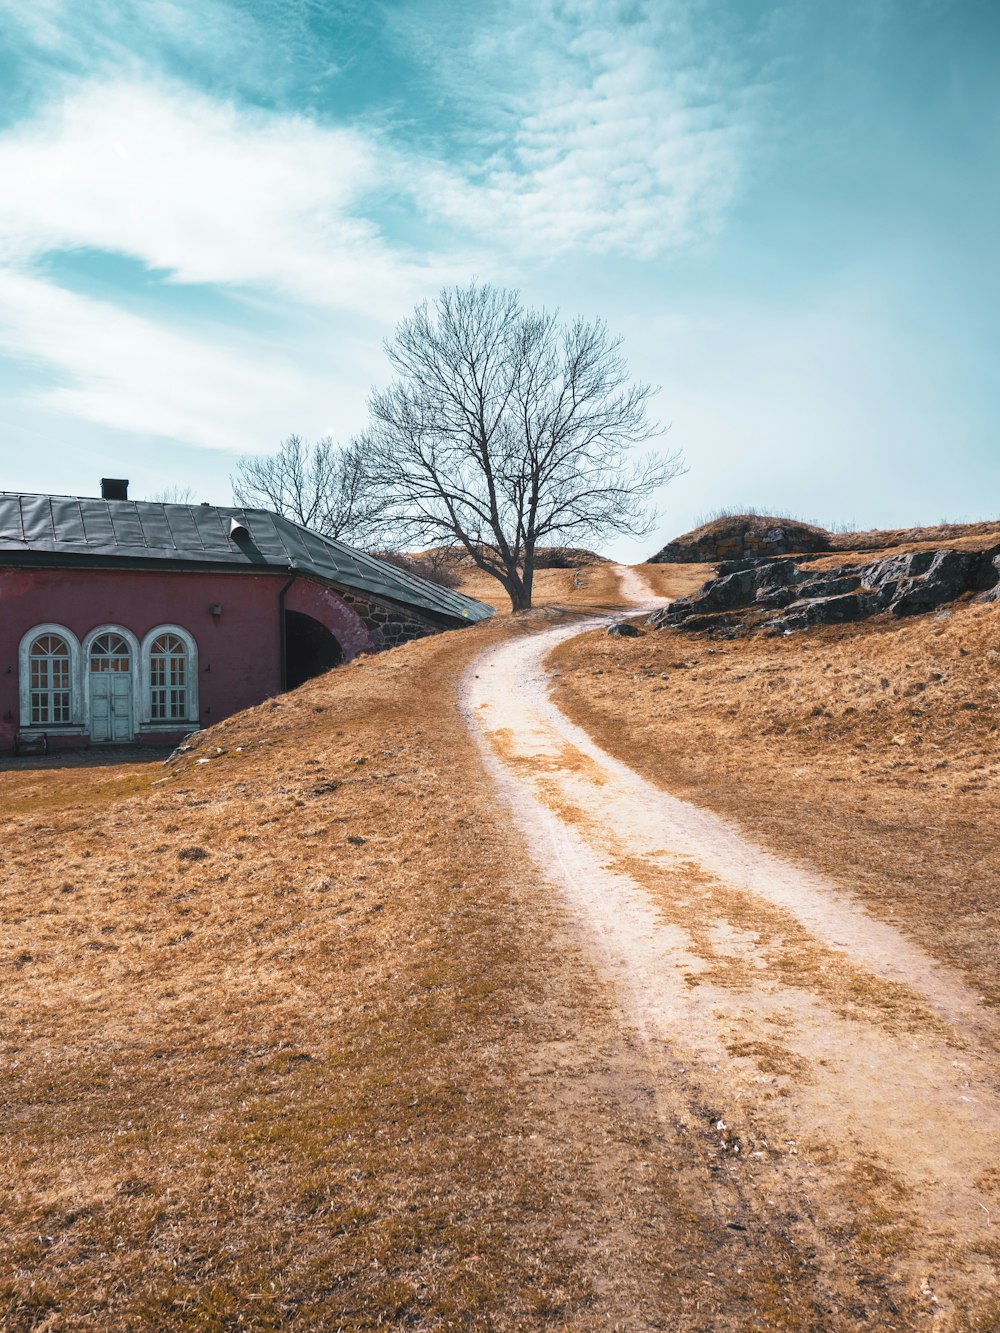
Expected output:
(613, 130)
(206, 192)
(610, 134)
(612, 145)
(118, 370)
(220, 39)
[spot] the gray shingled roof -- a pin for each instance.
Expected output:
(62, 529)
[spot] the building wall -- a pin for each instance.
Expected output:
(345, 622)
(238, 649)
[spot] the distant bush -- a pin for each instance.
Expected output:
(566, 557)
(752, 512)
(437, 566)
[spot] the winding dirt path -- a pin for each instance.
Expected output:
(850, 1081)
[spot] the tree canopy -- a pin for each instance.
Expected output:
(322, 486)
(505, 429)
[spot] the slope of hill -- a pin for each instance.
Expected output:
(751, 535)
(291, 1039)
(737, 536)
(275, 1025)
(297, 1036)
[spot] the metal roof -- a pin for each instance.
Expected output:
(61, 529)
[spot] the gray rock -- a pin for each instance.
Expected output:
(833, 585)
(986, 574)
(776, 597)
(624, 630)
(730, 591)
(907, 584)
(838, 610)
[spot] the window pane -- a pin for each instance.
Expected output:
(110, 652)
(49, 680)
(168, 679)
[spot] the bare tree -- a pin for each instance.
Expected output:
(504, 429)
(174, 495)
(321, 486)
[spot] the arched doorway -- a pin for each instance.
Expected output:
(110, 684)
(310, 649)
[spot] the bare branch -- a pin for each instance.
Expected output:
(323, 487)
(504, 427)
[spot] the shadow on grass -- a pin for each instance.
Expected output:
(107, 756)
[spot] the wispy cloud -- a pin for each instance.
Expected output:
(603, 127)
(119, 370)
(211, 42)
(600, 129)
(623, 139)
(204, 191)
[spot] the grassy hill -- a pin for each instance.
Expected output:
(291, 1040)
(294, 1037)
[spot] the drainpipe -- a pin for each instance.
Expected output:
(282, 636)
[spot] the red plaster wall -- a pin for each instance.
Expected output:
(238, 651)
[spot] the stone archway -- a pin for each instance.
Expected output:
(310, 649)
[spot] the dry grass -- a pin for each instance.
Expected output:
(291, 1039)
(593, 586)
(733, 522)
(968, 536)
(675, 580)
(867, 751)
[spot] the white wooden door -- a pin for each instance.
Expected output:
(111, 706)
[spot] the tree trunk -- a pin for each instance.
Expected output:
(528, 577)
(518, 590)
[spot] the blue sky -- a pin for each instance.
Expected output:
(212, 214)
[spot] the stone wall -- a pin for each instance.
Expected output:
(390, 625)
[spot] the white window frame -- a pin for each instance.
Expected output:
(146, 702)
(76, 712)
(137, 684)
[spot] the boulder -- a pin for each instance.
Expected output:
(837, 610)
(833, 585)
(624, 630)
(905, 585)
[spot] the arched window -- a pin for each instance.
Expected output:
(49, 678)
(169, 674)
(110, 652)
(169, 679)
(49, 688)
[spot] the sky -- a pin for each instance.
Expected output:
(213, 214)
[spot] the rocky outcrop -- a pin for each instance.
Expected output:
(742, 537)
(778, 596)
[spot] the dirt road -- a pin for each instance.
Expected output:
(850, 1081)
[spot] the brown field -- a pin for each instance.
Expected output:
(591, 587)
(969, 536)
(963, 536)
(870, 752)
(293, 1037)
(291, 1040)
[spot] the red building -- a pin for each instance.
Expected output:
(127, 620)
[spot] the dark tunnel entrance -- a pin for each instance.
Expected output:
(310, 649)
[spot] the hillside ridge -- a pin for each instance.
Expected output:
(754, 536)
